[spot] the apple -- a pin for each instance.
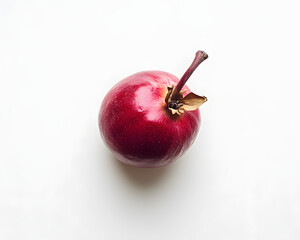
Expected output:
(151, 118)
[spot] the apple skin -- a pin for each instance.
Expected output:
(137, 126)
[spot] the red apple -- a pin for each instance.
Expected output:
(151, 118)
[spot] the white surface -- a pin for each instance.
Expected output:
(240, 180)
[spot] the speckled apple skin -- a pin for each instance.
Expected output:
(137, 126)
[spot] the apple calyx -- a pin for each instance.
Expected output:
(190, 102)
(176, 102)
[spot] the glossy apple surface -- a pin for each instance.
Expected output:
(151, 118)
(137, 126)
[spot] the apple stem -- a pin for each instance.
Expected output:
(199, 58)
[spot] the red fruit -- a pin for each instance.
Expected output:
(151, 118)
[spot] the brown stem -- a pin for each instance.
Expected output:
(199, 58)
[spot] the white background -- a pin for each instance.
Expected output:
(240, 179)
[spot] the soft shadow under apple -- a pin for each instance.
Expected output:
(142, 177)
